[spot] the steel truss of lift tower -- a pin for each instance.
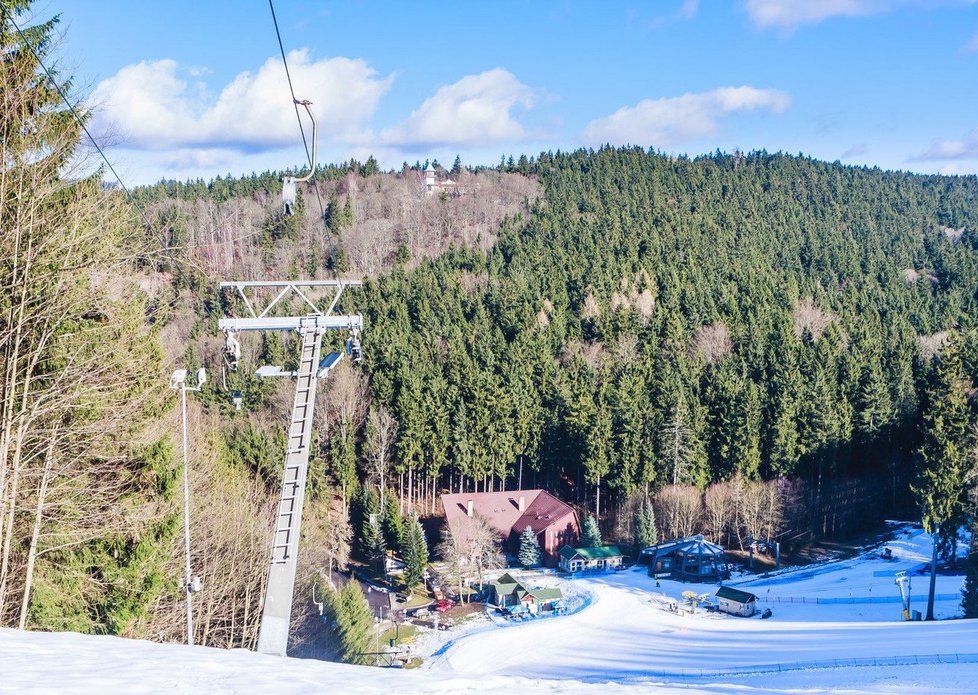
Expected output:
(273, 635)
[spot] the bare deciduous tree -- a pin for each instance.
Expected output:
(381, 435)
(678, 508)
(712, 343)
(809, 315)
(718, 505)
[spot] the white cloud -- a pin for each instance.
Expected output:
(664, 122)
(789, 14)
(689, 9)
(200, 158)
(957, 169)
(153, 108)
(950, 150)
(856, 150)
(476, 110)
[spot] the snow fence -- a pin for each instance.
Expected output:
(818, 664)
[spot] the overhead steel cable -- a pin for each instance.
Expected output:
(74, 113)
(288, 77)
(305, 144)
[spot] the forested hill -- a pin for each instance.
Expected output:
(748, 346)
(661, 320)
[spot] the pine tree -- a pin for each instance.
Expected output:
(414, 552)
(368, 519)
(350, 612)
(75, 350)
(374, 548)
(944, 452)
(590, 533)
(969, 594)
(392, 524)
(646, 533)
(529, 548)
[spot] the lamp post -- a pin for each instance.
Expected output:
(192, 584)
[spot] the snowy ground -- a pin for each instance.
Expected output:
(627, 634)
(623, 642)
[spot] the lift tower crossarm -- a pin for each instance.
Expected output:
(287, 286)
(273, 635)
(292, 323)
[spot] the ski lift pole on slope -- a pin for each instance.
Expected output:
(289, 182)
(903, 581)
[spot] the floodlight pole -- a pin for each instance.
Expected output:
(186, 523)
(179, 381)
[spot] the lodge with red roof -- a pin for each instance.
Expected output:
(553, 521)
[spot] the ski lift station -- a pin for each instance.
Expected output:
(687, 559)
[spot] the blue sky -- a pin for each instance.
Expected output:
(185, 89)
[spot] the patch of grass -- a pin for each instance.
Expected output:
(419, 597)
(403, 635)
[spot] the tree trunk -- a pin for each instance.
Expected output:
(11, 508)
(597, 499)
(933, 577)
(36, 532)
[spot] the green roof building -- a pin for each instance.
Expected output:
(512, 595)
(605, 557)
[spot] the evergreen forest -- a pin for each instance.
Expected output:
(747, 345)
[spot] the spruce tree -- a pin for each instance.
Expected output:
(354, 624)
(368, 519)
(530, 554)
(79, 499)
(943, 454)
(374, 548)
(646, 533)
(590, 533)
(392, 524)
(969, 594)
(414, 552)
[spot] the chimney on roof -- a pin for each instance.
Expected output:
(522, 504)
(469, 508)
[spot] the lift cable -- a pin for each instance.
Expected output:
(74, 113)
(305, 144)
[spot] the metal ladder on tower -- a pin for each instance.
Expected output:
(274, 632)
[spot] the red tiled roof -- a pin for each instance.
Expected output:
(545, 510)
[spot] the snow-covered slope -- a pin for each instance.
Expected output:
(72, 663)
(624, 642)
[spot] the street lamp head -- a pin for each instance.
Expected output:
(201, 376)
(178, 378)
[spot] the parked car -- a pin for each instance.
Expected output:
(443, 605)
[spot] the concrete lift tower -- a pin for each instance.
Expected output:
(273, 636)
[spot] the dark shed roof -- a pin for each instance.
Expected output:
(735, 595)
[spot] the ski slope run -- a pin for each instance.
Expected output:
(628, 634)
